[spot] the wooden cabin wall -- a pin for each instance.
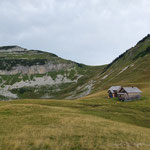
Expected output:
(130, 96)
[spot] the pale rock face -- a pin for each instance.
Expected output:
(4, 92)
(85, 88)
(35, 69)
(105, 76)
(37, 81)
(40, 81)
(13, 49)
(124, 69)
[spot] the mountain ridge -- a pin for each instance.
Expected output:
(38, 74)
(127, 69)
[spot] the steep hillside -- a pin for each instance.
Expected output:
(37, 74)
(130, 68)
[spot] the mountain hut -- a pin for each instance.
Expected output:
(129, 93)
(112, 91)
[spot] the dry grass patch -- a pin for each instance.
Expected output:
(35, 127)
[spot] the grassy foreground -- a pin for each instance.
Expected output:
(92, 123)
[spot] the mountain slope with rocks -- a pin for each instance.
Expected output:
(38, 74)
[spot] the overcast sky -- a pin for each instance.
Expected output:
(92, 32)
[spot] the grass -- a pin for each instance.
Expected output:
(92, 123)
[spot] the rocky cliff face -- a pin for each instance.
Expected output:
(13, 61)
(36, 69)
(11, 49)
(37, 74)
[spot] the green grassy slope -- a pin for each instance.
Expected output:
(90, 124)
(132, 68)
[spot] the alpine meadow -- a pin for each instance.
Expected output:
(74, 75)
(87, 119)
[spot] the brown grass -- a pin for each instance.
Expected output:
(35, 127)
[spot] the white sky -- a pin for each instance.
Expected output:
(92, 32)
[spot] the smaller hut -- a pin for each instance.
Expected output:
(112, 91)
(129, 93)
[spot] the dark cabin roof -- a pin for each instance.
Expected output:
(132, 90)
(114, 88)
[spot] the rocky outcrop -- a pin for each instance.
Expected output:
(8, 49)
(40, 81)
(36, 69)
(36, 82)
(17, 60)
(38, 74)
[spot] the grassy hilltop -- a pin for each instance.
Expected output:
(92, 122)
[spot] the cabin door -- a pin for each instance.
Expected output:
(110, 95)
(115, 94)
